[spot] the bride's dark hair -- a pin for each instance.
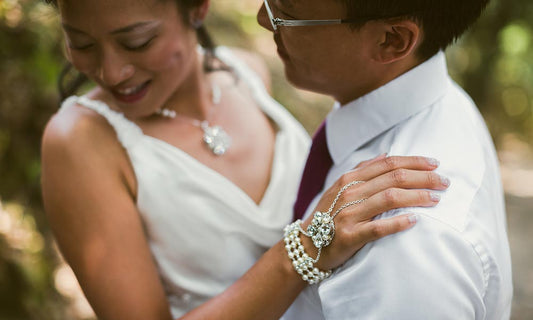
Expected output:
(70, 80)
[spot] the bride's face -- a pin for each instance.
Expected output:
(137, 51)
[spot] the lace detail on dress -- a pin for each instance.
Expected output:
(128, 133)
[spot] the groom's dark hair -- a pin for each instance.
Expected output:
(442, 21)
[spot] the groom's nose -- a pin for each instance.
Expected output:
(262, 18)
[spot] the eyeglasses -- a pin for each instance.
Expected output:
(276, 22)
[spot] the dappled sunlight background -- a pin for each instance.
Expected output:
(494, 63)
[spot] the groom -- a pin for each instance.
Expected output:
(384, 65)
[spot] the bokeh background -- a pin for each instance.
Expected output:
(493, 62)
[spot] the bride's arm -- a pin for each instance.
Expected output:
(90, 203)
(271, 285)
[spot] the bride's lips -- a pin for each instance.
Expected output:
(131, 94)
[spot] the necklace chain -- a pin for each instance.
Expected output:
(215, 137)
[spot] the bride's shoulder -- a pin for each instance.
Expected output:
(74, 128)
(78, 142)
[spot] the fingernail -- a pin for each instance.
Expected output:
(445, 181)
(383, 155)
(413, 218)
(433, 162)
(435, 197)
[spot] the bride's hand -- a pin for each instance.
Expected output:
(389, 183)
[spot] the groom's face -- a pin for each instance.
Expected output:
(318, 58)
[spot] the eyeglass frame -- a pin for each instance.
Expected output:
(276, 22)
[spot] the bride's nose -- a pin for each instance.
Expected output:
(113, 68)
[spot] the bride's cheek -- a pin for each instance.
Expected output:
(82, 63)
(166, 58)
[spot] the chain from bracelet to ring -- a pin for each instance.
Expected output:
(322, 227)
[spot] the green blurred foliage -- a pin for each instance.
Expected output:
(493, 62)
(29, 63)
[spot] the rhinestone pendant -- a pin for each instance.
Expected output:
(216, 139)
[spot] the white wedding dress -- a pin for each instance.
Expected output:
(204, 232)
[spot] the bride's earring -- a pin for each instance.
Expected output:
(197, 23)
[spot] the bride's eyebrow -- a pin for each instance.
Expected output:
(135, 26)
(72, 29)
(125, 29)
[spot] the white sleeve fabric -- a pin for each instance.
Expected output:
(428, 272)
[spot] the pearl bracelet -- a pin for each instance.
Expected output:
(301, 261)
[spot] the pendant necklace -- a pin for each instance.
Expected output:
(215, 137)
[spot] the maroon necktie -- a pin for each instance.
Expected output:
(316, 169)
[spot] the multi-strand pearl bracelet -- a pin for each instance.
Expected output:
(301, 261)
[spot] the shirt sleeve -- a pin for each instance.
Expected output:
(427, 272)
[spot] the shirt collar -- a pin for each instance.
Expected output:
(351, 126)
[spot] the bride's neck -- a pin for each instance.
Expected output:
(193, 97)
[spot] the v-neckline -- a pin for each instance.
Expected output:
(222, 177)
(87, 102)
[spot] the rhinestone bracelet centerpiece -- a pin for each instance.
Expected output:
(321, 231)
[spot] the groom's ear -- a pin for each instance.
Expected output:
(398, 39)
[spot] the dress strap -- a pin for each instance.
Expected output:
(245, 73)
(128, 133)
(268, 105)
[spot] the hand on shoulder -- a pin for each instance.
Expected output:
(373, 188)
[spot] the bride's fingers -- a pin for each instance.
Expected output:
(377, 229)
(350, 238)
(367, 162)
(400, 172)
(386, 200)
(388, 164)
(400, 178)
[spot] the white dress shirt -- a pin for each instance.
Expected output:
(455, 263)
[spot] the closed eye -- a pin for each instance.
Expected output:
(141, 46)
(80, 48)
